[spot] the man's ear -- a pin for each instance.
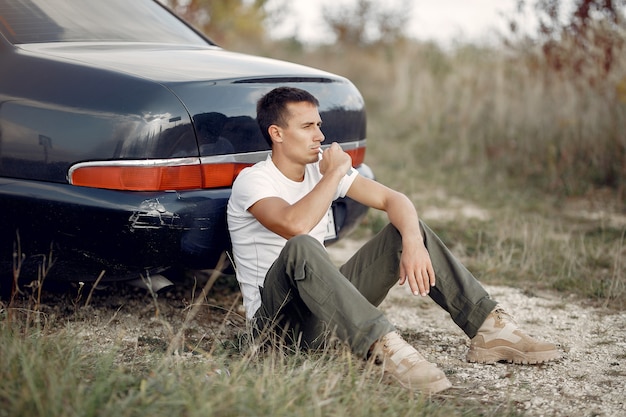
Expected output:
(276, 133)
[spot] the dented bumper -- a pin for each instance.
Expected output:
(123, 233)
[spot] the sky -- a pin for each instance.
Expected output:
(443, 21)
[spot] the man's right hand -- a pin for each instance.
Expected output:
(335, 159)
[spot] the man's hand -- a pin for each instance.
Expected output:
(334, 159)
(416, 268)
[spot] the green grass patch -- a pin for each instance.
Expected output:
(52, 374)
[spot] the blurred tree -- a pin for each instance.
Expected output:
(368, 22)
(586, 39)
(226, 21)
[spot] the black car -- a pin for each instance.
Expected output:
(121, 131)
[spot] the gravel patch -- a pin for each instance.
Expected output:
(590, 379)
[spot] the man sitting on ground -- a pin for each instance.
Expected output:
(277, 218)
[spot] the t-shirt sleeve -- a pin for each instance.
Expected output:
(346, 183)
(250, 188)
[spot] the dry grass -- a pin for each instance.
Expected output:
(503, 130)
(487, 112)
(51, 371)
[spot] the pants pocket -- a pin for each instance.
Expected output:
(310, 284)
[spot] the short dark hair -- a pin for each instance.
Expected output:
(271, 109)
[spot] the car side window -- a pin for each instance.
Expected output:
(39, 21)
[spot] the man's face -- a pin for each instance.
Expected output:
(302, 137)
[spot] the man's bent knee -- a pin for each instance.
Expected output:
(303, 250)
(302, 242)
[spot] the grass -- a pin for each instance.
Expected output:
(488, 112)
(84, 364)
(539, 252)
(50, 374)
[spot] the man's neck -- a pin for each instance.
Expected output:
(291, 170)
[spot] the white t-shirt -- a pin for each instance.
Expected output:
(255, 248)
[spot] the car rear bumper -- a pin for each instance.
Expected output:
(86, 231)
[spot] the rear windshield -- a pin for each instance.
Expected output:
(36, 21)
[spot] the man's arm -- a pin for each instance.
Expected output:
(289, 220)
(415, 264)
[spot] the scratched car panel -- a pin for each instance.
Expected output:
(120, 138)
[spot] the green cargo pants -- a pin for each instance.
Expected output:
(306, 297)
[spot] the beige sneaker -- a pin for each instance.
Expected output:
(404, 364)
(499, 339)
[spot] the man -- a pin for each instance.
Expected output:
(277, 221)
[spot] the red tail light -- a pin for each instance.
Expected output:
(138, 178)
(171, 174)
(143, 177)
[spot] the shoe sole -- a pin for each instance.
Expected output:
(429, 388)
(510, 355)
